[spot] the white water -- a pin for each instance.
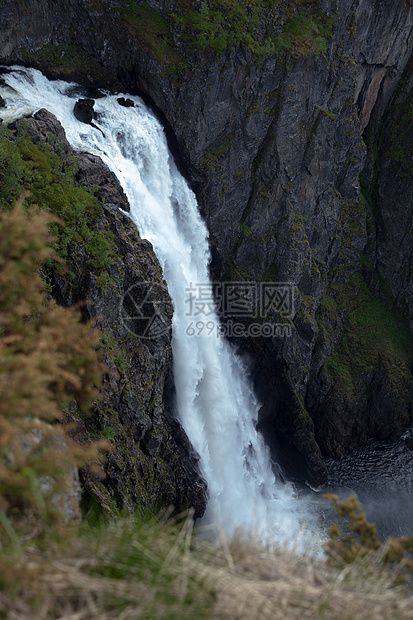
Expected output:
(215, 402)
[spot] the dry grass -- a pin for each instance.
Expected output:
(153, 572)
(281, 585)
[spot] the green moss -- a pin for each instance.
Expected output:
(303, 415)
(308, 302)
(12, 170)
(329, 304)
(305, 35)
(104, 280)
(117, 353)
(51, 182)
(352, 27)
(245, 230)
(233, 273)
(327, 113)
(67, 61)
(150, 29)
(213, 157)
(253, 107)
(372, 337)
(271, 274)
(221, 25)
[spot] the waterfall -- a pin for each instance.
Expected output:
(215, 401)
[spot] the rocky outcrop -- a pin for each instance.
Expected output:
(152, 463)
(274, 149)
(126, 103)
(83, 110)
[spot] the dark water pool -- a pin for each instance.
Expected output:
(381, 475)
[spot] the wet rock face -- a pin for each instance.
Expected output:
(394, 190)
(95, 174)
(153, 463)
(274, 153)
(126, 103)
(83, 110)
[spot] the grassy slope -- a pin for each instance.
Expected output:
(149, 571)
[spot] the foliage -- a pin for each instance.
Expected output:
(67, 60)
(356, 538)
(151, 570)
(327, 113)
(212, 159)
(223, 24)
(47, 359)
(52, 183)
(372, 335)
(271, 274)
(150, 28)
(245, 230)
(124, 568)
(158, 560)
(218, 26)
(305, 35)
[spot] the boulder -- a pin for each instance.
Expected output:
(83, 110)
(126, 103)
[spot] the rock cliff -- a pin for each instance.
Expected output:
(152, 463)
(274, 112)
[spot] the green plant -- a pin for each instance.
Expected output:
(116, 353)
(328, 113)
(52, 183)
(151, 30)
(214, 155)
(356, 538)
(305, 35)
(103, 281)
(222, 25)
(68, 60)
(47, 359)
(372, 334)
(245, 230)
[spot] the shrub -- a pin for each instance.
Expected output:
(356, 538)
(47, 359)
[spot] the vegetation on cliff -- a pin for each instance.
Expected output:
(47, 359)
(51, 182)
(289, 30)
(269, 147)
